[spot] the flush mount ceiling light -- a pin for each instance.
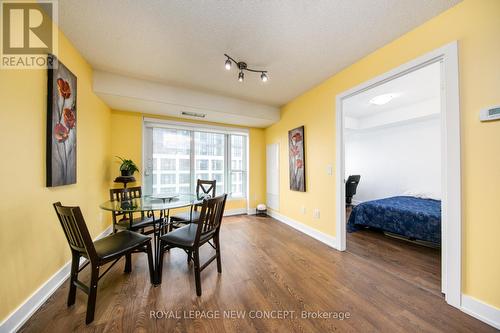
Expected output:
(382, 99)
(242, 66)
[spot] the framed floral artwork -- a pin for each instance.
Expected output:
(61, 125)
(296, 159)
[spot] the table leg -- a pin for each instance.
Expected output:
(157, 233)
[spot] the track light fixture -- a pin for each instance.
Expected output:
(242, 66)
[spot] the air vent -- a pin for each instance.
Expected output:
(193, 114)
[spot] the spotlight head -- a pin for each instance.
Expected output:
(227, 64)
(264, 77)
(241, 76)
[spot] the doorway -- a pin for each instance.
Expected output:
(446, 58)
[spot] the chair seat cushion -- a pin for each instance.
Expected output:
(137, 223)
(186, 217)
(184, 236)
(119, 243)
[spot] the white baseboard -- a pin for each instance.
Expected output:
(316, 234)
(482, 311)
(237, 211)
(19, 316)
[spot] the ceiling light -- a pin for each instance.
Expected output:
(228, 64)
(382, 99)
(263, 77)
(242, 66)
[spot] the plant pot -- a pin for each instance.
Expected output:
(126, 173)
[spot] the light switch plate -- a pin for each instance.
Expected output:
(316, 213)
(329, 170)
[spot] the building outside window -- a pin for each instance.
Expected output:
(177, 157)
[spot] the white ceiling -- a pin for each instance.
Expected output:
(181, 43)
(416, 87)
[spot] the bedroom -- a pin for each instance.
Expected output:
(392, 135)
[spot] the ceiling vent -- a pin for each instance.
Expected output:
(193, 114)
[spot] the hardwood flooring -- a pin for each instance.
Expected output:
(412, 262)
(266, 266)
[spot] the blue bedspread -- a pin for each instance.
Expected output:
(411, 217)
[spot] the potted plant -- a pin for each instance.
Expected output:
(128, 167)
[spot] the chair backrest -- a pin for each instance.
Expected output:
(351, 185)
(210, 216)
(122, 194)
(205, 187)
(125, 193)
(75, 230)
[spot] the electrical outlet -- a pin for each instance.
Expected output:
(316, 213)
(303, 209)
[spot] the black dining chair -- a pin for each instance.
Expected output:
(192, 236)
(98, 253)
(127, 220)
(204, 189)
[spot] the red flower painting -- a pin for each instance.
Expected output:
(64, 88)
(296, 159)
(61, 153)
(61, 133)
(299, 164)
(69, 118)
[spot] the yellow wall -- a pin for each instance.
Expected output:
(126, 132)
(32, 243)
(476, 26)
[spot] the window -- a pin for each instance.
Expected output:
(217, 165)
(179, 155)
(184, 179)
(184, 164)
(169, 149)
(168, 179)
(201, 164)
(167, 164)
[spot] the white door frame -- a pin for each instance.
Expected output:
(450, 162)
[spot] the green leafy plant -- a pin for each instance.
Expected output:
(127, 166)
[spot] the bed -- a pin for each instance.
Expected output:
(410, 217)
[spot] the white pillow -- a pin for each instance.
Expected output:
(422, 194)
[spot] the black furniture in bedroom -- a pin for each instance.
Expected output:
(350, 188)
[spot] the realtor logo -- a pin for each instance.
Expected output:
(29, 33)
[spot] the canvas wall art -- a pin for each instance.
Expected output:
(61, 125)
(297, 159)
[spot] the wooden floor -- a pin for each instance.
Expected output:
(414, 263)
(267, 266)
(411, 262)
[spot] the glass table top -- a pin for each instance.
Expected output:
(151, 203)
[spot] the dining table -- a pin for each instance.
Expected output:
(158, 208)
